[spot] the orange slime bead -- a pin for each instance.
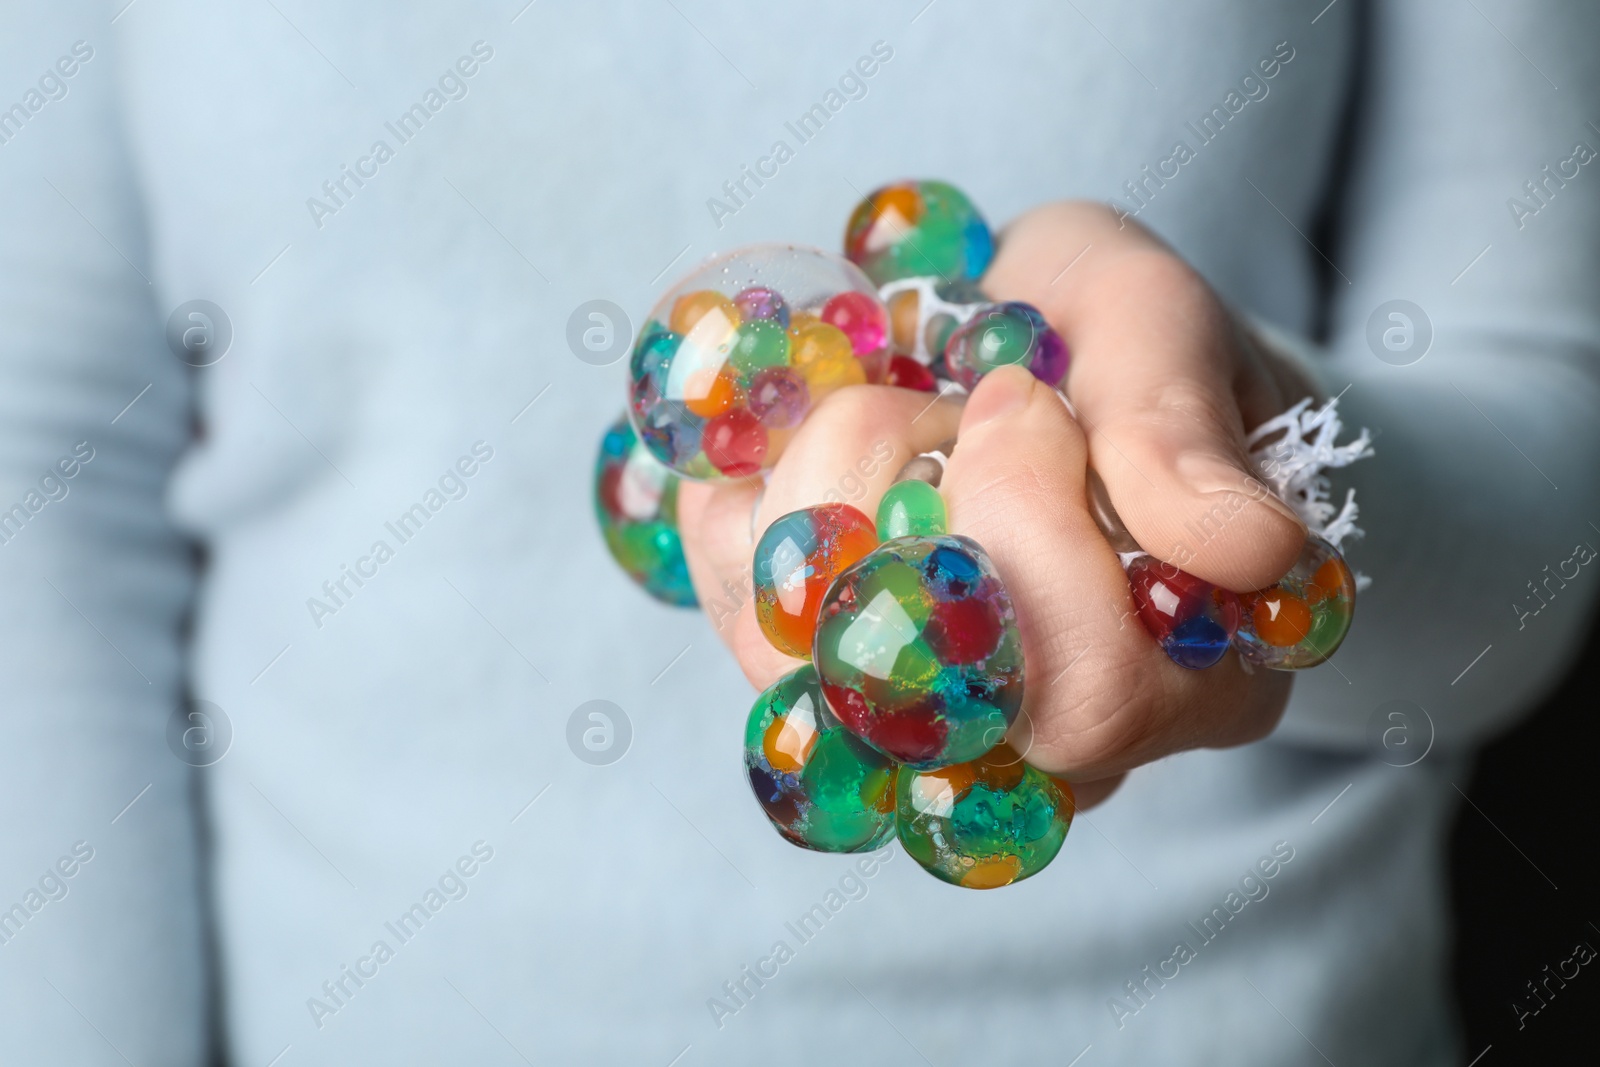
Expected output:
(1281, 619)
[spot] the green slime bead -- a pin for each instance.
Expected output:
(636, 505)
(911, 508)
(1003, 341)
(821, 786)
(760, 343)
(903, 583)
(835, 776)
(983, 824)
(1330, 621)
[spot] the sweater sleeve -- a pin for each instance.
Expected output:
(1473, 197)
(100, 917)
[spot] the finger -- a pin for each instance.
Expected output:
(1273, 382)
(1155, 366)
(715, 522)
(851, 447)
(1100, 697)
(1088, 795)
(848, 451)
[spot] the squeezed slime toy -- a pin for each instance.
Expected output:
(917, 665)
(732, 358)
(896, 725)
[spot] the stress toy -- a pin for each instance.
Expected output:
(918, 229)
(636, 503)
(1296, 623)
(911, 508)
(998, 335)
(917, 673)
(733, 356)
(796, 560)
(822, 787)
(1193, 620)
(1299, 621)
(918, 650)
(924, 312)
(986, 823)
(907, 373)
(894, 723)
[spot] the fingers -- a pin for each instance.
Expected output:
(1015, 484)
(1164, 383)
(1101, 698)
(714, 521)
(1092, 794)
(851, 447)
(1156, 368)
(848, 450)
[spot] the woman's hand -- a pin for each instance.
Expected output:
(1165, 383)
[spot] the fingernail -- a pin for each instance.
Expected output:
(1001, 394)
(1208, 473)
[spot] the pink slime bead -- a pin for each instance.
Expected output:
(861, 318)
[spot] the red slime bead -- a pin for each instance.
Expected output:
(735, 442)
(909, 734)
(907, 373)
(1166, 596)
(963, 631)
(849, 705)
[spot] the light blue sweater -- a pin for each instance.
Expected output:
(398, 212)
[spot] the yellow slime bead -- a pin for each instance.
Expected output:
(823, 356)
(690, 308)
(799, 321)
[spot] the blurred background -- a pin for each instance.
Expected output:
(1525, 881)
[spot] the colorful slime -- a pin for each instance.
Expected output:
(733, 357)
(919, 653)
(917, 229)
(820, 785)
(983, 824)
(795, 561)
(636, 503)
(1301, 620)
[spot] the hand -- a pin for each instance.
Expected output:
(1165, 382)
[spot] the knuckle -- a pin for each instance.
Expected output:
(850, 407)
(1244, 720)
(848, 421)
(1082, 218)
(1008, 496)
(1104, 722)
(1159, 273)
(1176, 409)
